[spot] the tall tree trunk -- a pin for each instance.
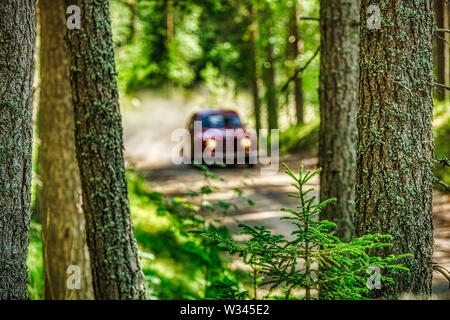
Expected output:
(169, 21)
(295, 42)
(17, 37)
(112, 246)
(338, 90)
(254, 68)
(132, 23)
(395, 142)
(63, 221)
(448, 47)
(441, 65)
(271, 92)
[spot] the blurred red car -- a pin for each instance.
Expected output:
(220, 136)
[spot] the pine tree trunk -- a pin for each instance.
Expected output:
(338, 89)
(132, 25)
(395, 143)
(254, 74)
(63, 221)
(295, 49)
(169, 22)
(112, 246)
(271, 92)
(441, 65)
(446, 36)
(17, 37)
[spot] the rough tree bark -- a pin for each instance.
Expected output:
(63, 222)
(112, 246)
(295, 43)
(17, 36)
(338, 91)
(395, 141)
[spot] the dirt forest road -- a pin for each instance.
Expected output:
(269, 193)
(148, 145)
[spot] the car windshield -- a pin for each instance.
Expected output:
(221, 120)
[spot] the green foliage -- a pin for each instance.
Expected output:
(177, 263)
(210, 44)
(314, 259)
(35, 263)
(228, 290)
(442, 138)
(300, 138)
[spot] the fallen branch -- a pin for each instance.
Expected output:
(300, 70)
(442, 271)
(443, 30)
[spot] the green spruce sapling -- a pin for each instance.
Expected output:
(314, 259)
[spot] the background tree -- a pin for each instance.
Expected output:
(64, 234)
(441, 56)
(338, 93)
(17, 37)
(271, 97)
(395, 142)
(268, 43)
(252, 44)
(113, 251)
(294, 50)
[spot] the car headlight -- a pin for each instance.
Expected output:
(246, 142)
(211, 144)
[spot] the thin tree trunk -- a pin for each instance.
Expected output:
(169, 21)
(112, 246)
(132, 26)
(17, 40)
(447, 47)
(395, 142)
(63, 222)
(299, 102)
(338, 89)
(441, 65)
(254, 69)
(271, 92)
(295, 42)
